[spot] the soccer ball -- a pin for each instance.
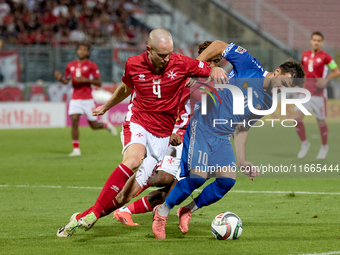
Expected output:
(226, 226)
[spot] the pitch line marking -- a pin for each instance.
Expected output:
(323, 253)
(197, 190)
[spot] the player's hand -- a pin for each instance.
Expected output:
(58, 75)
(249, 169)
(100, 110)
(191, 82)
(321, 83)
(81, 79)
(175, 139)
(218, 75)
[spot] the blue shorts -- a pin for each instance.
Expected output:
(204, 151)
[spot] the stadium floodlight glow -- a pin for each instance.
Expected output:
(239, 103)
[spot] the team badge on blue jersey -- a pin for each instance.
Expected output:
(258, 107)
(245, 85)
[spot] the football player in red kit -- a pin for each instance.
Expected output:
(83, 74)
(155, 80)
(316, 63)
(167, 174)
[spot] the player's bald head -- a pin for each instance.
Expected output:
(160, 40)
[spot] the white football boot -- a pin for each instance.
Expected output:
(75, 152)
(322, 152)
(304, 149)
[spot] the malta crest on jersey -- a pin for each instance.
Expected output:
(245, 85)
(240, 50)
(172, 75)
(156, 81)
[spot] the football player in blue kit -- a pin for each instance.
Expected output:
(206, 145)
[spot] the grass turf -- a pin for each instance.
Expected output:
(273, 223)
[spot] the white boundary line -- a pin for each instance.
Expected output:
(323, 253)
(198, 190)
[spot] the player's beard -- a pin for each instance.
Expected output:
(269, 89)
(83, 58)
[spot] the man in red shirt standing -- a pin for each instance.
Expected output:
(316, 63)
(156, 81)
(83, 74)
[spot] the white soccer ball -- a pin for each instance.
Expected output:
(226, 226)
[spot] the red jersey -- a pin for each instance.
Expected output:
(155, 96)
(315, 66)
(87, 69)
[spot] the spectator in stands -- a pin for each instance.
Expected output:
(37, 22)
(4, 10)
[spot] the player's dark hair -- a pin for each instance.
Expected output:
(316, 33)
(205, 45)
(88, 46)
(296, 70)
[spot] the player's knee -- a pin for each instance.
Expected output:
(223, 185)
(160, 178)
(321, 122)
(133, 163)
(195, 180)
(94, 124)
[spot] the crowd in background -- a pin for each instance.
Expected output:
(63, 22)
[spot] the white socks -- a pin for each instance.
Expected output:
(192, 206)
(164, 210)
(124, 209)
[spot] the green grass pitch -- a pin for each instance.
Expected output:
(41, 187)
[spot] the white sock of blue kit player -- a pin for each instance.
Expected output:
(214, 191)
(180, 192)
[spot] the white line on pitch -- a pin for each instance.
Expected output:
(323, 253)
(152, 188)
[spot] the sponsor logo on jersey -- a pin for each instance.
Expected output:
(156, 81)
(240, 50)
(115, 188)
(141, 77)
(231, 74)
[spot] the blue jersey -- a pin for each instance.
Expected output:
(246, 72)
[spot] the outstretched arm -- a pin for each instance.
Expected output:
(215, 48)
(240, 139)
(119, 95)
